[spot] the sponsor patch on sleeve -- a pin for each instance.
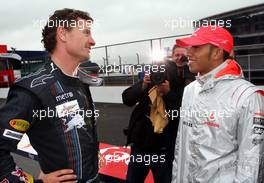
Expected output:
(257, 141)
(12, 134)
(19, 124)
(258, 121)
(23, 176)
(258, 130)
(259, 114)
(4, 181)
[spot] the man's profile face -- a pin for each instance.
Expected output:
(79, 40)
(177, 55)
(200, 59)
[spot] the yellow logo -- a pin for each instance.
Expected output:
(19, 124)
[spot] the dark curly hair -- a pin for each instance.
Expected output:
(64, 16)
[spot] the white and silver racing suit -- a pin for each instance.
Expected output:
(220, 135)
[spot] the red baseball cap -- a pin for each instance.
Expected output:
(214, 35)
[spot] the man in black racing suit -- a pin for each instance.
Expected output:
(55, 109)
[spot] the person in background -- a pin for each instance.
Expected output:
(143, 134)
(178, 68)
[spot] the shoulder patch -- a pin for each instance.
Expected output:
(37, 81)
(12, 134)
(19, 124)
(34, 74)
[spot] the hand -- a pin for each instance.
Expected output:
(164, 88)
(146, 81)
(64, 175)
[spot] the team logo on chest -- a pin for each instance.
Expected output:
(67, 108)
(76, 121)
(211, 122)
(64, 96)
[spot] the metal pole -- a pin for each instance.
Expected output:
(106, 55)
(160, 43)
(133, 76)
(120, 62)
(137, 58)
(151, 50)
(104, 71)
(104, 62)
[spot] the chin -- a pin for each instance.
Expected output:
(85, 58)
(193, 70)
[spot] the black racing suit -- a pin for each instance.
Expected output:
(56, 111)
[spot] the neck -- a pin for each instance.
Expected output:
(211, 69)
(214, 65)
(65, 62)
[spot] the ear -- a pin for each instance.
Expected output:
(61, 34)
(218, 54)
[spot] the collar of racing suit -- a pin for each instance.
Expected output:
(228, 70)
(65, 78)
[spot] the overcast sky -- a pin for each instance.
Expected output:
(115, 20)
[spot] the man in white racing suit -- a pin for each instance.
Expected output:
(220, 135)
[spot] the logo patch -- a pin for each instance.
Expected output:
(187, 123)
(67, 108)
(5, 181)
(212, 116)
(64, 96)
(23, 176)
(12, 134)
(77, 121)
(256, 141)
(259, 114)
(41, 80)
(209, 123)
(258, 130)
(19, 124)
(258, 121)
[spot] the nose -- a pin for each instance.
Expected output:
(189, 51)
(91, 41)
